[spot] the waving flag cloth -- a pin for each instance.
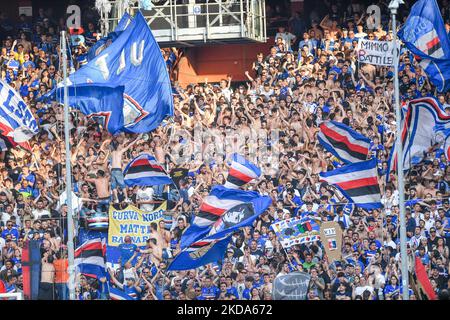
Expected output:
(343, 142)
(446, 145)
(93, 100)
(241, 172)
(425, 36)
(212, 247)
(117, 294)
(144, 170)
(90, 258)
(358, 182)
(421, 283)
(423, 122)
(105, 42)
(133, 60)
(17, 123)
(221, 202)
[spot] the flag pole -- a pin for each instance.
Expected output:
(70, 233)
(393, 6)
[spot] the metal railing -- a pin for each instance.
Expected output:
(197, 21)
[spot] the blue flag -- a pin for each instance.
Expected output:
(117, 294)
(144, 170)
(212, 247)
(17, 123)
(241, 172)
(133, 60)
(97, 102)
(220, 203)
(104, 42)
(425, 36)
(343, 142)
(358, 182)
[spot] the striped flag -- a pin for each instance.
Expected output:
(425, 35)
(144, 170)
(241, 172)
(90, 258)
(423, 121)
(117, 294)
(212, 247)
(199, 253)
(215, 205)
(447, 146)
(343, 142)
(358, 182)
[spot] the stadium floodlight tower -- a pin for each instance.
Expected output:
(393, 7)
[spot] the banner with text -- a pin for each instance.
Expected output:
(296, 230)
(380, 53)
(132, 222)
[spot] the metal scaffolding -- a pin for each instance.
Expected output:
(195, 22)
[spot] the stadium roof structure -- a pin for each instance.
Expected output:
(194, 24)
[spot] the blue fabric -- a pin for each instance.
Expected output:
(100, 45)
(103, 102)
(15, 113)
(354, 168)
(117, 294)
(357, 136)
(213, 246)
(133, 60)
(424, 35)
(147, 175)
(260, 204)
(246, 163)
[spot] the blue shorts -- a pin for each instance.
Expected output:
(117, 179)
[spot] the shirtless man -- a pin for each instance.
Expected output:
(154, 249)
(160, 157)
(103, 190)
(47, 277)
(117, 179)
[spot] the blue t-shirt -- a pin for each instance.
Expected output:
(210, 293)
(13, 232)
(246, 294)
(233, 291)
(390, 288)
(27, 64)
(126, 251)
(131, 291)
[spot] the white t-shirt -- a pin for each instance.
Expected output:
(5, 217)
(77, 203)
(2, 243)
(227, 94)
(359, 290)
(37, 214)
(287, 38)
(145, 195)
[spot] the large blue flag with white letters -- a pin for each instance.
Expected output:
(17, 123)
(133, 60)
(425, 36)
(104, 42)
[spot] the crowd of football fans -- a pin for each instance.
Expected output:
(310, 75)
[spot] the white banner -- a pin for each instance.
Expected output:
(380, 53)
